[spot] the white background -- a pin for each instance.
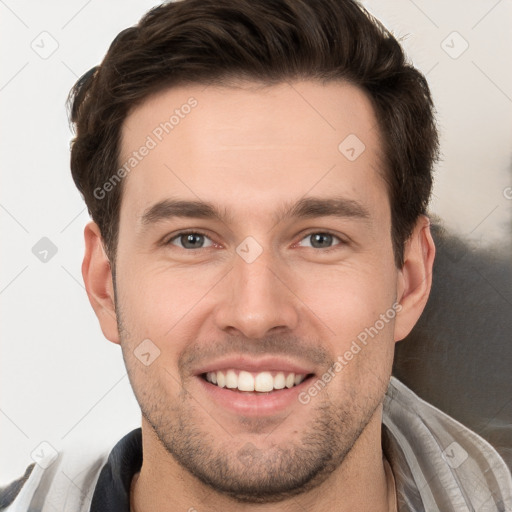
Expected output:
(60, 379)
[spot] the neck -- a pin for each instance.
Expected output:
(358, 484)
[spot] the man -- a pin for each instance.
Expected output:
(258, 174)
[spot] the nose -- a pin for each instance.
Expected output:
(256, 299)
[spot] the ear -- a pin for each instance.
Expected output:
(415, 277)
(97, 274)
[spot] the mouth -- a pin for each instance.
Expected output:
(254, 387)
(263, 382)
(255, 392)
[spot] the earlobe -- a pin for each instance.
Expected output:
(415, 277)
(97, 275)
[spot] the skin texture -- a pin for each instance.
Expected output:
(253, 151)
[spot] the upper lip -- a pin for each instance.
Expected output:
(256, 365)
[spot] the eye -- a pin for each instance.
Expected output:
(190, 240)
(320, 240)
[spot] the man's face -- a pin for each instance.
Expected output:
(295, 266)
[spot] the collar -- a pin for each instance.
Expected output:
(112, 492)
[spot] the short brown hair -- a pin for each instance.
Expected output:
(269, 41)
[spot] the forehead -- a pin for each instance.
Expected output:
(252, 146)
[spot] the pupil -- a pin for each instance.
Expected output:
(321, 240)
(192, 240)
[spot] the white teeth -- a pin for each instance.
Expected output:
(231, 379)
(262, 382)
(245, 381)
(279, 381)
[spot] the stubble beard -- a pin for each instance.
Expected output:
(236, 467)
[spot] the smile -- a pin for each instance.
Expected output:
(261, 382)
(254, 387)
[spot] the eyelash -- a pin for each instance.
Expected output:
(341, 243)
(199, 232)
(188, 232)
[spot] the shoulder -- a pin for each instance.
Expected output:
(62, 480)
(448, 461)
(9, 492)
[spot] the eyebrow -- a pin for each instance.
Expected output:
(305, 208)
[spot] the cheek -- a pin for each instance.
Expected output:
(357, 321)
(347, 298)
(157, 299)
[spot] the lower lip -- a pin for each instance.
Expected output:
(254, 403)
